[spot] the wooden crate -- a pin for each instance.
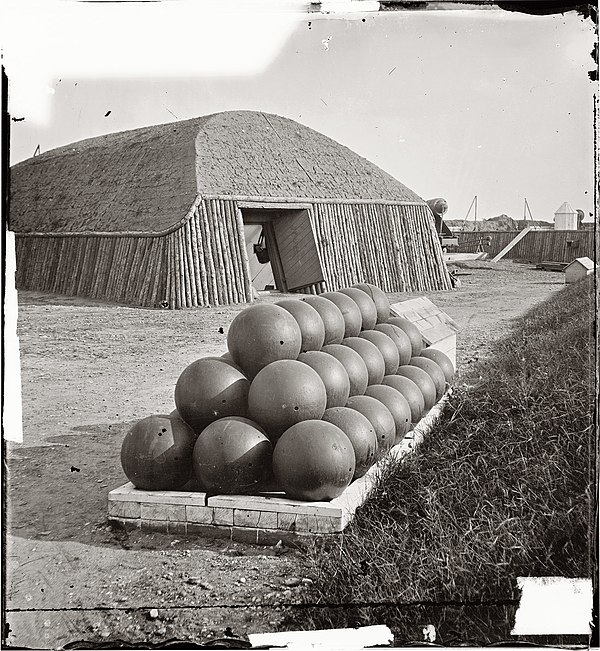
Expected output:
(437, 328)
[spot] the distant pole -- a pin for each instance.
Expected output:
(527, 209)
(474, 202)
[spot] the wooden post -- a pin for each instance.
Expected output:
(245, 263)
(227, 273)
(234, 246)
(169, 291)
(219, 257)
(203, 221)
(197, 258)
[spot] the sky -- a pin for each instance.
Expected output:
(451, 103)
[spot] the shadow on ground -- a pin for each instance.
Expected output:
(59, 491)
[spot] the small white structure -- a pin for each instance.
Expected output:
(578, 269)
(565, 218)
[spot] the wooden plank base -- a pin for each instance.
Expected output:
(257, 519)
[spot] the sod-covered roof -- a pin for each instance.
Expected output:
(147, 179)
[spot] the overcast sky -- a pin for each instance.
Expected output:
(452, 103)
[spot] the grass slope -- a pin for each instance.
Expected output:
(503, 487)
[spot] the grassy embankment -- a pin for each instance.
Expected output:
(503, 487)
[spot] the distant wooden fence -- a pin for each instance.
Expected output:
(202, 260)
(536, 246)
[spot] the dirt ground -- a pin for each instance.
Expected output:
(89, 370)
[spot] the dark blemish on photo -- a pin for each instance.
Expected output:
(74, 469)
(593, 74)
(17, 119)
(107, 114)
(547, 7)
(221, 331)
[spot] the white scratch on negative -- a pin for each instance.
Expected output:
(554, 605)
(12, 417)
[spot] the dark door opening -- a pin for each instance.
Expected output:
(293, 257)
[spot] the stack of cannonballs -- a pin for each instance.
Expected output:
(310, 394)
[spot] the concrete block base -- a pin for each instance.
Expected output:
(262, 519)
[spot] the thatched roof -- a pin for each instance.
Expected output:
(147, 179)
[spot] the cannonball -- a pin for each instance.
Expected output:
(284, 393)
(400, 338)
(354, 365)
(442, 360)
(380, 417)
(396, 403)
(411, 392)
(331, 316)
(360, 431)
(387, 348)
(226, 357)
(381, 301)
(262, 334)
(332, 372)
(434, 370)
(423, 381)
(414, 334)
(366, 305)
(308, 319)
(208, 389)
(156, 453)
(350, 312)
(313, 461)
(371, 355)
(232, 455)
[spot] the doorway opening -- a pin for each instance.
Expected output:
(290, 260)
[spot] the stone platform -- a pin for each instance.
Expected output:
(260, 519)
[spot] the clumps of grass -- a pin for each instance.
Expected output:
(502, 487)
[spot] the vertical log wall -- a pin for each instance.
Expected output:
(208, 263)
(116, 267)
(203, 260)
(393, 246)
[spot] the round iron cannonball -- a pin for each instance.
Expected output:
(309, 321)
(262, 334)
(313, 461)
(331, 316)
(354, 365)
(381, 301)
